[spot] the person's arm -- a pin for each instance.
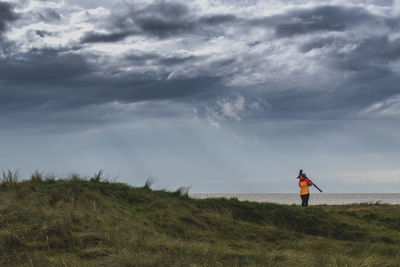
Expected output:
(309, 183)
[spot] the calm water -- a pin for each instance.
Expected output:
(315, 199)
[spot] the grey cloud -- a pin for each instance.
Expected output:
(169, 89)
(49, 15)
(383, 3)
(7, 15)
(374, 52)
(290, 100)
(46, 15)
(343, 102)
(162, 28)
(368, 75)
(70, 79)
(140, 58)
(325, 18)
(49, 80)
(175, 60)
(163, 20)
(43, 66)
(160, 20)
(319, 43)
(43, 33)
(369, 57)
(35, 79)
(94, 37)
(76, 108)
(218, 19)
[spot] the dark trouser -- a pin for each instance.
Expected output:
(304, 199)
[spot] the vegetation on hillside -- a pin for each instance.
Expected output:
(92, 222)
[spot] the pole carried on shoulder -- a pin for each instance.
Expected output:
(301, 173)
(317, 187)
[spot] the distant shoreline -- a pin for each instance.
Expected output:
(315, 199)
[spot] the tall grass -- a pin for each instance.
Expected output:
(98, 176)
(148, 183)
(10, 177)
(37, 176)
(183, 191)
(50, 177)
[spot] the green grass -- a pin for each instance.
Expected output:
(92, 222)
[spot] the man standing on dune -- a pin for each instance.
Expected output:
(304, 183)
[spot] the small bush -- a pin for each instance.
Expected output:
(74, 177)
(183, 191)
(50, 177)
(37, 176)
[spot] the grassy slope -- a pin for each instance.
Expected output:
(81, 223)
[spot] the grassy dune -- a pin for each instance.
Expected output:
(78, 222)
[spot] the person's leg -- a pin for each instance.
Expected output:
(303, 200)
(306, 197)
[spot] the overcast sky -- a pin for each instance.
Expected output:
(220, 95)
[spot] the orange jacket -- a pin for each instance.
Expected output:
(304, 183)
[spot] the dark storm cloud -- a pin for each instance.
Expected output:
(344, 102)
(217, 19)
(6, 16)
(368, 52)
(177, 60)
(341, 100)
(160, 20)
(94, 37)
(324, 18)
(50, 80)
(368, 78)
(39, 77)
(64, 79)
(43, 66)
(141, 58)
(368, 60)
(164, 20)
(43, 33)
(71, 108)
(373, 53)
(167, 89)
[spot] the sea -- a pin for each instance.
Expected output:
(315, 199)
